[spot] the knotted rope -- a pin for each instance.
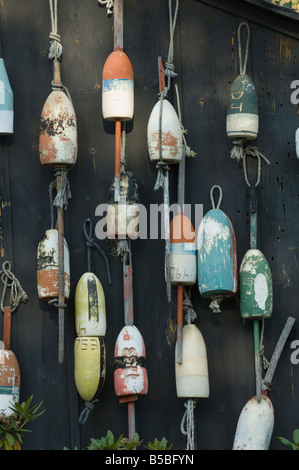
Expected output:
(109, 5)
(187, 423)
(55, 51)
(188, 307)
(17, 294)
(63, 194)
(91, 243)
(170, 73)
(89, 406)
(253, 152)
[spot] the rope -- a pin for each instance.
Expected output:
(55, 51)
(90, 243)
(215, 304)
(109, 5)
(188, 307)
(253, 152)
(89, 406)
(188, 151)
(187, 423)
(169, 70)
(243, 66)
(64, 192)
(212, 198)
(262, 347)
(123, 159)
(17, 294)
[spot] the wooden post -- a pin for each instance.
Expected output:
(61, 299)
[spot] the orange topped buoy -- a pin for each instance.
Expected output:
(118, 87)
(182, 251)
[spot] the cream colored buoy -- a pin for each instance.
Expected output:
(58, 131)
(90, 306)
(48, 266)
(171, 134)
(255, 425)
(192, 377)
(10, 381)
(90, 366)
(118, 87)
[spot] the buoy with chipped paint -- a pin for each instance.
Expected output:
(123, 216)
(58, 131)
(255, 425)
(256, 291)
(90, 306)
(192, 377)
(171, 134)
(6, 102)
(118, 87)
(48, 266)
(242, 119)
(130, 374)
(216, 254)
(10, 381)
(90, 366)
(182, 251)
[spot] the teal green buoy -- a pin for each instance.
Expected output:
(6, 102)
(256, 292)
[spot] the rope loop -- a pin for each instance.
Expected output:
(89, 406)
(212, 197)
(253, 152)
(187, 423)
(9, 280)
(90, 243)
(243, 65)
(55, 51)
(109, 5)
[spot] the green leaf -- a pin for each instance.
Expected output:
(10, 438)
(286, 442)
(110, 438)
(296, 436)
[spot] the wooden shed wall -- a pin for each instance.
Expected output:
(206, 60)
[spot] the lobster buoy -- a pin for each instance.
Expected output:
(192, 377)
(256, 291)
(90, 306)
(242, 119)
(122, 218)
(182, 251)
(58, 131)
(118, 87)
(48, 266)
(216, 255)
(10, 381)
(255, 425)
(171, 134)
(6, 102)
(90, 366)
(130, 374)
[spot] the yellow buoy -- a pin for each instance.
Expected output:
(90, 366)
(90, 306)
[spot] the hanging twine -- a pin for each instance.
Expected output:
(17, 294)
(91, 243)
(187, 423)
(64, 192)
(55, 51)
(188, 307)
(242, 65)
(89, 406)
(109, 5)
(253, 152)
(188, 151)
(262, 348)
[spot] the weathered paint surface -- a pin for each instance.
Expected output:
(90, 366)
(6, 102)
(183, 269)
(118, 87)
(297, 142)
(10, 380)
(130, 374)
(58, 131)
(242, 120)
(255, 425)
(192, 376)
(216, 255)
(90, 306)
(48, 266)
(256, 292)
(171, 134)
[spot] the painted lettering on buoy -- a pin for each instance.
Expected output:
(182, 251)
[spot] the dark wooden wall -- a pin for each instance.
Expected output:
(206, 60)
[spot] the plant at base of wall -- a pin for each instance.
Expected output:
(294, 4)
(294, 445)
(12, 427)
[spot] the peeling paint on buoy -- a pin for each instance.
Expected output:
(90, 306)
(10, 381)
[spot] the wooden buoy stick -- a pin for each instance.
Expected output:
(128, 293)
(256, 327)
(61, 299)
(6, 329)
(180, 293)
(267, 381)
(117, 159)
